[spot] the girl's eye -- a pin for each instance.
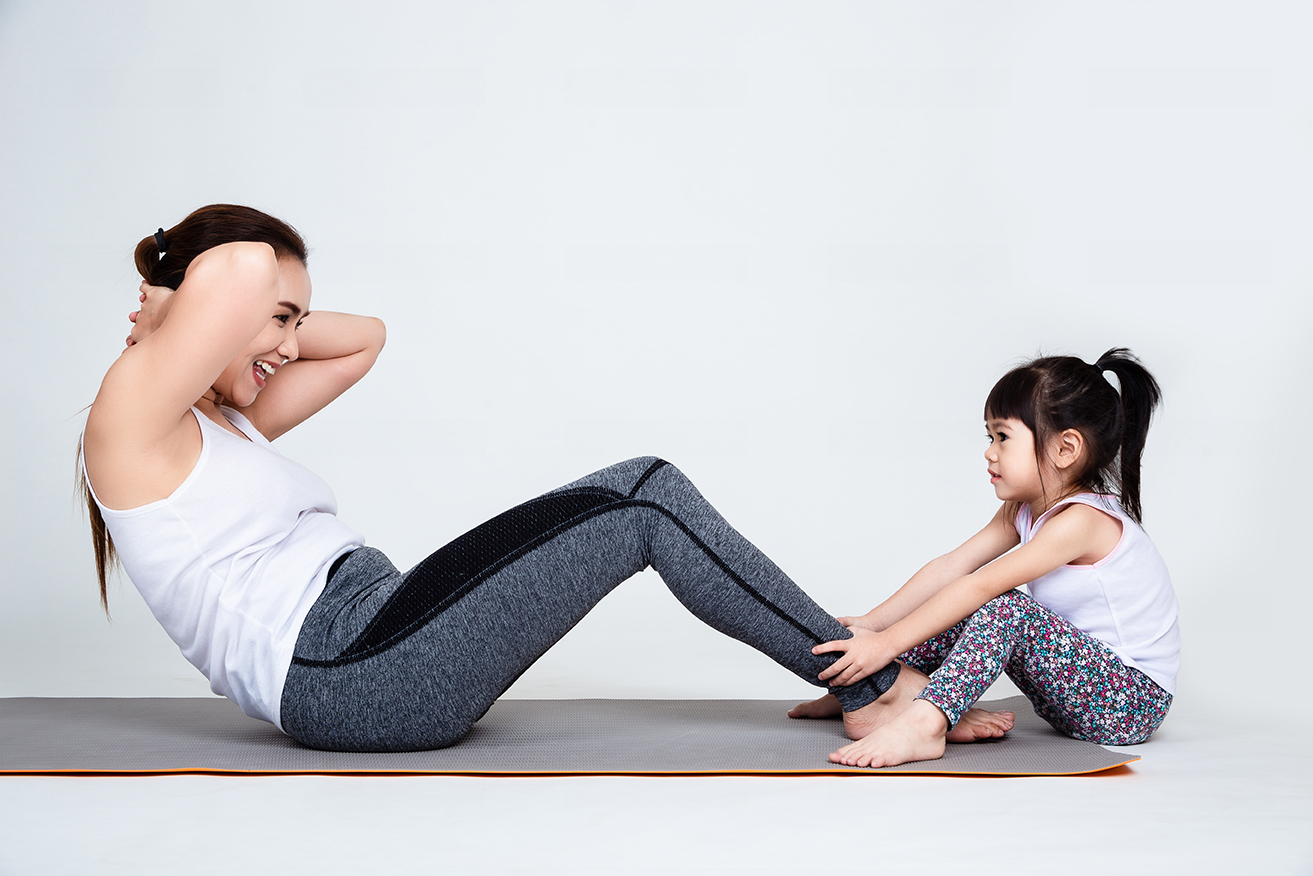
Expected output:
(283, 317)
(298, 322)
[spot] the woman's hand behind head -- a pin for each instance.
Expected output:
(155, 304)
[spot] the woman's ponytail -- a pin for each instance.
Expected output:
(1140, 394)
(102, 543)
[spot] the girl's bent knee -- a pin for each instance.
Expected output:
(1005, 604)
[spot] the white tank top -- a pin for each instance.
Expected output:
(1125, 600)
(231, 562)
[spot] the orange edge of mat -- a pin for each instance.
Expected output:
(1121, 767)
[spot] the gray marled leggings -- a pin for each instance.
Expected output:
(393, 662)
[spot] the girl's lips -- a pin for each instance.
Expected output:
(258, 373)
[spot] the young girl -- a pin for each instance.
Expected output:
(1095, 646)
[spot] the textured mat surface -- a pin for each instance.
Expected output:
(516, 737)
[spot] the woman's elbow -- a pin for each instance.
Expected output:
(368, 334)
(376, 336)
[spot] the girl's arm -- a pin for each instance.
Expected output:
(334, 350)
(997, 538)
(1075, 532)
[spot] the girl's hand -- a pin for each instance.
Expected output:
(863, 654)
(866, 622)
(155, 304)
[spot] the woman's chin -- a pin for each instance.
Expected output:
(239, 396)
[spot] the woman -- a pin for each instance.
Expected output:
(240, 556)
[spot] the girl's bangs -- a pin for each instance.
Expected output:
(1013, 398)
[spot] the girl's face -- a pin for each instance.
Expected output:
(276, 344)
(1013, 469)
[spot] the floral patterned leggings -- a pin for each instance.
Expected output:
(1074, 681)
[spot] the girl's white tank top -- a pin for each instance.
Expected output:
(231, 562)
(1125, 600)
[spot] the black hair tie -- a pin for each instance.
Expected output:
(159, 241)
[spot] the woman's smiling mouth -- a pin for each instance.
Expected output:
(261, 371)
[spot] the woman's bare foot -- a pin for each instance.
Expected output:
(980, 724)
(825, 707)
(917, 733)
(871, 717)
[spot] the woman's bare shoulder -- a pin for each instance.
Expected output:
(128, 467)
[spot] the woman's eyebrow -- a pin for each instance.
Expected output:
(296, 311)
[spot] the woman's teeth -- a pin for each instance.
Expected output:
(265, 366)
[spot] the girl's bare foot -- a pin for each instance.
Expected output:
(916, 733)
(825, 707)
(867, 719)
(980, 724)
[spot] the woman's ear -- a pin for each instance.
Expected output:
(1071, 448)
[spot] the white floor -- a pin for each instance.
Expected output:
(1208, 797)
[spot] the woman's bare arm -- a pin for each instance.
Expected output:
(334, 351)
(137, 445)
(225, 299)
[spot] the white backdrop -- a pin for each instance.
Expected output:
(788, 246)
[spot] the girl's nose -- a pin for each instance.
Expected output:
(288, 349)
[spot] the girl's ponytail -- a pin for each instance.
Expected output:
(1140, 394)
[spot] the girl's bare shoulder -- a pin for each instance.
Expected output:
(1094, 533)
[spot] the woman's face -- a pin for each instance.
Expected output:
(247, 374)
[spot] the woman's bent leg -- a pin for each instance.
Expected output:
(387, 661)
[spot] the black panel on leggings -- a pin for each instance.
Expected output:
(453, 569)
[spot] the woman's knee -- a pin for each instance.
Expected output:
(623, 477)
(647, 466)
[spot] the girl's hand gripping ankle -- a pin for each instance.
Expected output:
(864, 653)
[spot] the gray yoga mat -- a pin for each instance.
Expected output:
(516, 737)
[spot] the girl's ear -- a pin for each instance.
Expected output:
(1071, 447)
